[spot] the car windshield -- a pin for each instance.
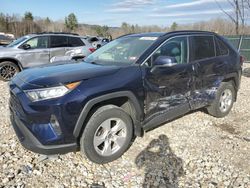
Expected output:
(126, 50)
(16, 42)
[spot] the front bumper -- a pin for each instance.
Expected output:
(30, 142)
(32, 122)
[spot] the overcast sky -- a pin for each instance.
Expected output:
(114, 12)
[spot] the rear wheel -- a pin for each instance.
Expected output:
(8, 70)
(224, 100)
(107, 135)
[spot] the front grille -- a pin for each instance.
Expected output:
(15, 105)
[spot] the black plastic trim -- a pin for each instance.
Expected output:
(164, 117)
(92, 102)
(30, 142)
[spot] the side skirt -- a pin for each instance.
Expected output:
(164, 116)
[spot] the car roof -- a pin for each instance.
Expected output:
(151, 34)
(29, 35)
(159, 34)
(53, 34)
(68, 35)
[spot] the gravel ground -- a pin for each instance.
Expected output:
(196, 150)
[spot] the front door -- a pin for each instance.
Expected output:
(37, 54)
(168, 89)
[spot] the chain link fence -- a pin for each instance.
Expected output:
(242, 44)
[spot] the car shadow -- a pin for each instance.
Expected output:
(246, 72)
(162, 167)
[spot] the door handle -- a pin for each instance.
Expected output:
(68, 48)
(195, 68)
(162, 87)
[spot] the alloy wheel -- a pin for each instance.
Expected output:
(110, 136)
(7, 71)
(226, 100)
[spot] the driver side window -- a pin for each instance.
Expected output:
(38, 42)
(177, 48)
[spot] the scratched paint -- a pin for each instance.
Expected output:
(159, 98)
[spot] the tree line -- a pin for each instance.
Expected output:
(239, 15)
(28, 23)
(22, 25)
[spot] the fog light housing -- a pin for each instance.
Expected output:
(55, 125)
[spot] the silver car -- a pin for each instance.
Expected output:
(40, 49)
(96, 42)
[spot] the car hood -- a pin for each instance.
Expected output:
(6, 50)
(48, 76)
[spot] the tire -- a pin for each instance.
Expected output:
(8, 70)
(97, 135)
(220, 108)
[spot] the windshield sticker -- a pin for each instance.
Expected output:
(132, 58)
(148, 38)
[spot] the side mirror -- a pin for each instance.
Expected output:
(165, 61)
(26, 47)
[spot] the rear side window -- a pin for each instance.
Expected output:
(203, 47)
(58, 41)
(221, 48)
(75, 42)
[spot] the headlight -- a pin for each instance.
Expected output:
(50, 93)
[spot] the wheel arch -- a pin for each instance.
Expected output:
(235, 79)
(12, 60)
(124, 99)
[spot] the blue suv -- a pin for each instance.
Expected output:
(129, 86)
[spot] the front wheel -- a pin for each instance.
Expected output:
(224, 100)
(8, 70)
(107, 135)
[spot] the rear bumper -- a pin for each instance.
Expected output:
(30, 142)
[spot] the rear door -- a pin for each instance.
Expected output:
(75, 46)
(58, 43)
(38, 54)
(208, 69)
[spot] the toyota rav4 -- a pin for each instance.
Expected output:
(126, 88)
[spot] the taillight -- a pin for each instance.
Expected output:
(91, 49)
(242, 59)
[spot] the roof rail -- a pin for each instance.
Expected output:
(66, 33)
(188, 31)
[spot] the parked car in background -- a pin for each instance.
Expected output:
(40, 49)
(97, 42)
(6, 38)
(129, 86)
